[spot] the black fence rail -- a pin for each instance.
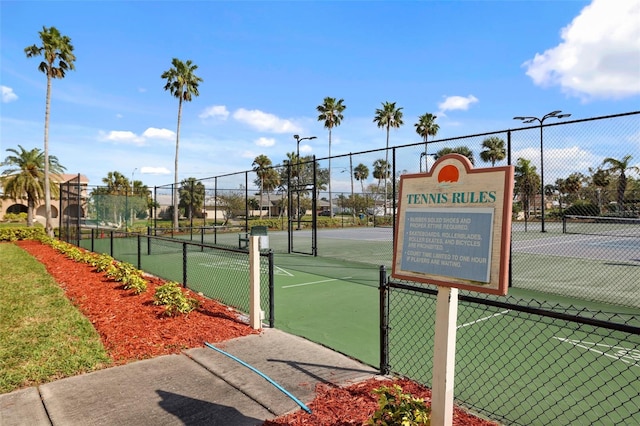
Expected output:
(520, 361)
(217, 272)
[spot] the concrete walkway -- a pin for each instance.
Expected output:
(199, 386)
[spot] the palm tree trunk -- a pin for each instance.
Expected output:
(386, 153)
(47, 183)
(175, 179)
(31, 206)
(330, 196)
(622, 186)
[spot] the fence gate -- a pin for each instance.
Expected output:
(301, 181)
(70, 210)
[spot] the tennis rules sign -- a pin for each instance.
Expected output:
(454, 226)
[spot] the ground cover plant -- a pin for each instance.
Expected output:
(134, 325)
(42, 336)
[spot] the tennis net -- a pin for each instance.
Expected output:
(601, 225)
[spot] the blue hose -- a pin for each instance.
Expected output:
(264, 376)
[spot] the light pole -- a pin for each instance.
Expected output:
(134, 170)
(298, 140)
(553, 114)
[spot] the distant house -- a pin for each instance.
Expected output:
(9, 205)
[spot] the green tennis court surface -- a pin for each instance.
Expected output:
(565, 368)
(500, 353)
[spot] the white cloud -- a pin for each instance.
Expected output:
(215, 111)
(265, 142)
(7, 94)
(123, 136)
(599, 56)
(304, 148)
(264, 121)
(452, 103)
(154, 133)
(155, 171)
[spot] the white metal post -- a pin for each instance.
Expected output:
(444, 357)
(255, 314)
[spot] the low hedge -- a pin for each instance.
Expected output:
(21, 233)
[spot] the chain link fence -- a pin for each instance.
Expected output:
(564, 346)
(518, 361)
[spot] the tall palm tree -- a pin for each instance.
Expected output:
(57, 52)
(425, 127)
(361, 173)
(25, 176)
(183, 84)
(462, 150)
(620, 167)
(387, 117)
(493, 151)
(261, 165)
(331, 113)
(527, 182)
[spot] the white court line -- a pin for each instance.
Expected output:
(482, 319)
(555, 243)
(316, 282)
(621, 354)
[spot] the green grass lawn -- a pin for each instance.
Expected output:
(43, 337)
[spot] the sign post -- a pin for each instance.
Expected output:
(453, 231)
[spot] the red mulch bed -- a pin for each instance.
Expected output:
(132, 327)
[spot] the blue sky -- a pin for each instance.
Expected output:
(267, 65)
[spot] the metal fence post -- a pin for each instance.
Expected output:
(139, 252)
(384, 322)
(272, 320)
(184, 265)
(111, 243)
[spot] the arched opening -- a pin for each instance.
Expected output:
(42, 212)
(17, 208)
(72, 211)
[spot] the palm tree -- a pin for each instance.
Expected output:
(117, 183)
(388, 116)
(270, 182)
(527, 182)
(361, 173)
(331, 113)
(57, 52)
(25, 175)
(192, 194)
(381, 172)
(462, 150)
(261, 165)
(494, 150)
(426, 127)
(620, 167)
(183, 84)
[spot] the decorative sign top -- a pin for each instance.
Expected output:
(454, 226)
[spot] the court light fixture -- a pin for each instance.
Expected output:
(553, 114)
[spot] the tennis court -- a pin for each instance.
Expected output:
(568, 372)
(336, 304)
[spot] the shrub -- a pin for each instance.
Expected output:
(398, 408)
(15, 217)
(21, 233)
(174, 300)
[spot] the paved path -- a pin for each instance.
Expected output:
(199, 386)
